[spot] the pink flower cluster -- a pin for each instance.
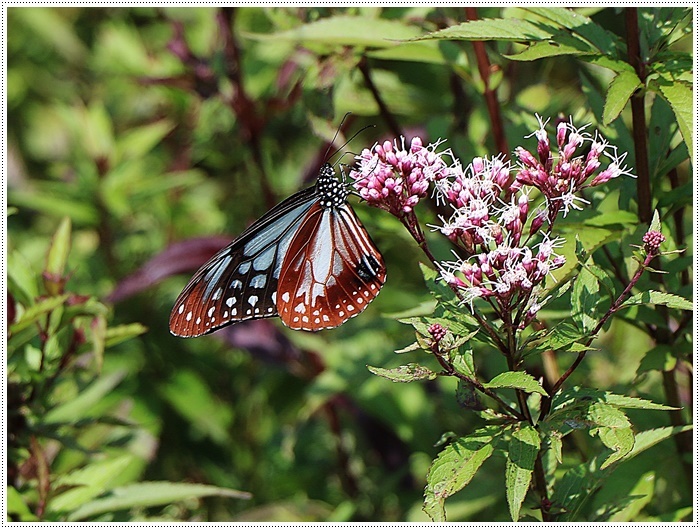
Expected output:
(474, 195)
(559, 178)
(507, 274)
(395, 179)
(652, 241)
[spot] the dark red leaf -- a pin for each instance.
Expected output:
(180, 257)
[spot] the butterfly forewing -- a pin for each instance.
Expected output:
(331, 271)
(240, 281)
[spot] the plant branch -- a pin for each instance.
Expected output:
(383, 108)
(484, 65)
(639, 127)
(450, 371)
(613, 308)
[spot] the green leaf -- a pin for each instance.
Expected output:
(35, 312)
(575, 394)
(584, 300)
(560, 45)
(654, 297)
(151, 494)
(89, 482)
(78, 407)
(17, 507)
(455, 467)
(606, 415)
(619, 440)
(137, 142)
(21, 279)
(680, 96)
(436, 286)
(563, 338)
(659, 358)
(621, 88)
(648, 438)
(637, 498)
(655, 222)
(121, 333)
(516, 380)
(407, 373)
(511, 29)
(522, 452)
(355, 31)
(58, 252)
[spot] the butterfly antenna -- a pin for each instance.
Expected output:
(347, 142)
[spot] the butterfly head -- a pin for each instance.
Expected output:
(333, 192)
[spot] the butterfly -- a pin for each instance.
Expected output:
(309, 260)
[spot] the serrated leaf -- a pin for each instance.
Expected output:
(584, 300)
(654, 297)
(522, 452)
(606, 415)
(356, 31)
(516, 380)
(35, 312)
(680, 96)
(593, 395)
(407, 373)
(559, 44)
(619, 440)
(562, 338)
(151, 494)
(511, 29)
(621, 88)
(659, 358)
(455, 467)
(648, 438)
(415, 346)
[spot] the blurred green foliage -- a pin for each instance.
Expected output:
(135, 124)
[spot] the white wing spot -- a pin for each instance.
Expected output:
(230, 301)
(244, 267)
(354, 292)
(258, 281)
(236, 284)
(199, 320)
(285, 297)
(326, 318)
(189, 316)
(341, 314)
(248, 311)
(234, 312)
(269, 309)
(299, 308)
(317, 320)
(274, 298)
(316, 313)
(257, 310)
(211, 311)
(305, 319)
(373, 287)
(181, 309)
(366, 293)
(253, 300)
(225, 314)
(337, 306)
(208, 323)
(296, 318)
(350, 308)
(360, 300)
(217, 294)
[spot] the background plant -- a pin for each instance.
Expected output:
(148, 127)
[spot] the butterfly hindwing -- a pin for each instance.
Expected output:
(331, 272)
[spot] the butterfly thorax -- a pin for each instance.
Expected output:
(333, 193)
